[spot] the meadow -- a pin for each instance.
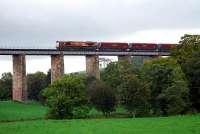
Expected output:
(29, 118)
(14, 111)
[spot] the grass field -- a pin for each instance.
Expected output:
(10, 111)
(15, 112)
(167, 125)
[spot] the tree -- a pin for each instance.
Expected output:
(103, 98)
(134, 96)
(115, 72)
(66, 97)
(188, 45)
(187, 54)
(48, 77)
(35, 83)
(175, 99)
(162, 75)
(191, 68)
(6, 86)
(90, 83)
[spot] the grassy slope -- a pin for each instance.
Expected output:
(165, 125)
(17, 111)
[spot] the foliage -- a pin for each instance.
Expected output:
(134, 96)
(191, 68)
(90, 83)
(188, 45)
(6, 86)
(81, 111)
(48, 77)
(103, 98)
(114, 73)
(64, 96)
(35, 83)
(188, 55)
(131, 92)
(168, 86)
(174, 100)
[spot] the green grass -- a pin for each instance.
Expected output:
(16, 118)
(11, 111)
(164, 125)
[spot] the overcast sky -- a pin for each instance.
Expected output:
(40, 23)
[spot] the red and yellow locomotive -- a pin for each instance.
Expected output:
(76, 45)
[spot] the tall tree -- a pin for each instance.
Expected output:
(114, 73)
(191, 67)
(103, 97)
(162, 76)
(134, 96)
(187, 54)
(188, 45)
(6, 86)
(35, 83)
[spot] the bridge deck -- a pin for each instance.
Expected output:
(54, 52)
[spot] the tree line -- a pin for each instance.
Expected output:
(160, 87)
(36, 82)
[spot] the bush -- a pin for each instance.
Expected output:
(134, 95)
(66, 98)
(81, 112)
(103, 98)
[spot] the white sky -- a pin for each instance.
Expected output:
(39, 23)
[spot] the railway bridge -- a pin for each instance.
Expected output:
(19, 91)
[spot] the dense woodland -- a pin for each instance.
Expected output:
(158, 87)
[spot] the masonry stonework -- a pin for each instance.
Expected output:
(92, 66)
(57, 67)
(19, 92)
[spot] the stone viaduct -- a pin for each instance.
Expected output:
(19, 91)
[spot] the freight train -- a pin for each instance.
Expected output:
(112, 46)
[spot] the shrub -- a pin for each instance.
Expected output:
(81, 112)
(66, 98)
(103, 98)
